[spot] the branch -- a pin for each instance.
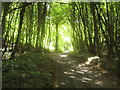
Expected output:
(22, 6)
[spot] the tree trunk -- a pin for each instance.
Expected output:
(6, 8)
(56, 44)
(96, 30)
(39, 23)
(19, 31)
(43, 23)
(31, 24)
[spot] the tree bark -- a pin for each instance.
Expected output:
(43, 23)
(56, 44)
(39, 23)
(19, 31)
(6, 8)
(96, 30)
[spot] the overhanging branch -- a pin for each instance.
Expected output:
(22, 6)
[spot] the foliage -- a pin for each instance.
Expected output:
(30, 70)
(111, 65)
(86, 28)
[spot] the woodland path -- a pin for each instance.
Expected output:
(74, 73)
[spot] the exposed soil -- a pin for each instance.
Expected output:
(72, 72)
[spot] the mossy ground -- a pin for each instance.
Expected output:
(28, 70)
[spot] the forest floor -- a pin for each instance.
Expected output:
(28, 70)
(55, 70)
(74, 72)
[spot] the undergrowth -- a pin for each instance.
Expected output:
(29, 70)
(109, 64)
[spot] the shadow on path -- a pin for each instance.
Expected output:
(71, 73)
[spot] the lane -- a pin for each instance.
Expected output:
(71, 73)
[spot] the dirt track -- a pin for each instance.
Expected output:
(72, 73)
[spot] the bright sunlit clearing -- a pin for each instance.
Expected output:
(51, 47)
(66, 51)
(63, 55)
(90, 59)
(67, 39)
(67, 44)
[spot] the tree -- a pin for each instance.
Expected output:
(19, 30)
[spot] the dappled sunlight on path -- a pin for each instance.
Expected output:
(71, 73)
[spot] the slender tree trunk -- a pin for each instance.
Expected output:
(13, 36)
(96, 30)
(39, 23)
(49, 32)
(6, 8)
(31, 24)
(0, 32)
(43, 23)
(19, 31)
(56, 44)
(84, 25)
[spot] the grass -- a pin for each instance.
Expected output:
(29, 70)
